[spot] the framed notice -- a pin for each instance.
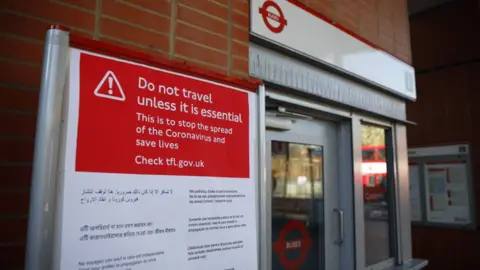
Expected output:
(157, 169)
(447, 193)
(441, 188)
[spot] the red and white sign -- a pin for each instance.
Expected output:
(273, 16)
(157, 170)
(447, 192)
(282, 246)
(312, 35)
(166, 124)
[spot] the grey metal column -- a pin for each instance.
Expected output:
(264, 231)
(358, 193)
(47, 139)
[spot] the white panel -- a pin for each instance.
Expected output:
(277, 68)
(305, 33)
(457, 149)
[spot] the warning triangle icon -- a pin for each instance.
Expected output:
(110, 88)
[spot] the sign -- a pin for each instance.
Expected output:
(158, 170)
(436, 151)
(283, 246)
(273, 16)
(312, 36)
(447, 193)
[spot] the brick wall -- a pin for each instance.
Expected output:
(212, 34)
(445, 55)
(384, 23)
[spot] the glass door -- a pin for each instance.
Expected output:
(306, 221)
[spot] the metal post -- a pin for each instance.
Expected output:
(47, 139)
(264, 258)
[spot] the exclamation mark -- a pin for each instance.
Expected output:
(110, 85)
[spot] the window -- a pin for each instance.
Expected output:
(297, 183)
(368, 154)
(377, 204)
(381, 154)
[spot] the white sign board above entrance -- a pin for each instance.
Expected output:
(288, 24)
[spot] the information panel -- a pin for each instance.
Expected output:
(447, 193)
(441, 192)
(158, 170)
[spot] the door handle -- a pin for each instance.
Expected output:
(340, 225)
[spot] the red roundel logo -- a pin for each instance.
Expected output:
(273, 16)
(282, 246)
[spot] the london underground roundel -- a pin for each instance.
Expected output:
(282, 246)
(273, 16)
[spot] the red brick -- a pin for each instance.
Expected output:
(239, 49)
(385, 9)
(18, 73)
(136, 35)
(21, 49)
(22, 26)
(159, 6)
(17, 99)
(16, 150)
(224, 2)
(370, 4)
(240, 34)
(202, 37)
(16, 228)
(135, 48)
(347, 14)
(240, 64)
(368, 25)
(385, 27)
(240, 19)
(403, 52)
(203, 54)
(52, 12)
(14, 202)
(209, 7)
(200, 64)
(400, 21)
(15, 176)
(17, 124)
(136, 16)
(386, 43)
(241, 6)
(12, 257)
(238, 74)
(192, 17)
(86, 4)
(325, 8)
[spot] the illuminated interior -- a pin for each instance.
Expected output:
(297, 170)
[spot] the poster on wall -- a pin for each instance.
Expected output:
(415, 194)
(158, 170)
(447, 193)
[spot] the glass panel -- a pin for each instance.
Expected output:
(297, 206)
(375, 190)
(381, 154)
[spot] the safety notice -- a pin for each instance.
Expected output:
(157, 171)
(145, 121)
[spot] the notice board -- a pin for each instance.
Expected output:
(157, 169)
(441, 192)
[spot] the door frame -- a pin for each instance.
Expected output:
(343, 120)
(390, 137)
